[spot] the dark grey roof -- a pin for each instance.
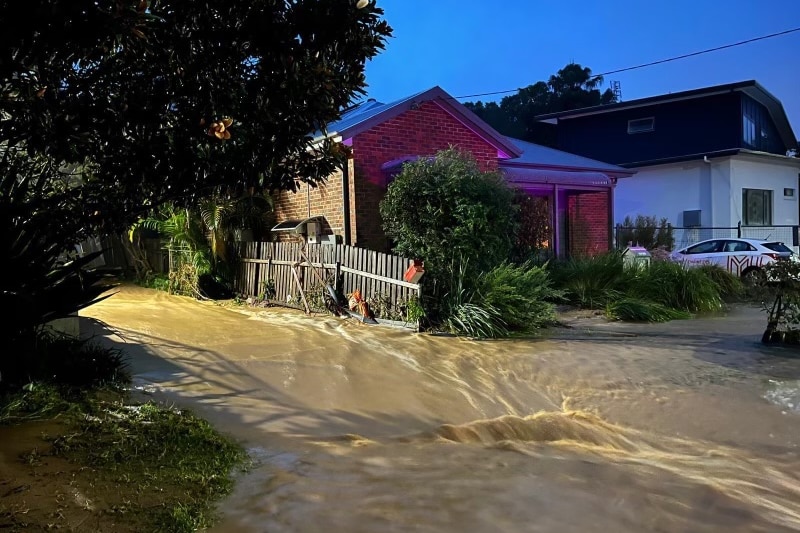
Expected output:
(750, 87)
(536, 155)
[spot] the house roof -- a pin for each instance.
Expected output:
(543, 157)
(749, 87)
(366, 115)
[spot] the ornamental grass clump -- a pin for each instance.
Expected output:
(590, 282)
(522, 294)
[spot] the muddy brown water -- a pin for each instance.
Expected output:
(687, 426)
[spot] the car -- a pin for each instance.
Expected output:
(741, 257)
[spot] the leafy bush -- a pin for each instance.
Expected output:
(444, 208)
(66, 362)
(779, 289)
(39, 283)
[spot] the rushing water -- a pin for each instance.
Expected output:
(687, 426)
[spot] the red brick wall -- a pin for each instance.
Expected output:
(325, 199)
(420, 132)
(589, 223)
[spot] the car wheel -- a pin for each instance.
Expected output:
(753, 277)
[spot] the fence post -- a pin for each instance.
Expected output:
(739, 230)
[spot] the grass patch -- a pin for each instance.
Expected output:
(146, 467)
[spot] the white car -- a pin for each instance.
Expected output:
(740, 257)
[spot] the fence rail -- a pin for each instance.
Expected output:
(295, 275)
(685, 236)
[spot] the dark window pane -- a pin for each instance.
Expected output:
(705, 247)
(777, 247)
(756, 207)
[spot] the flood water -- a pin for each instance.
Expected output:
(690, 426)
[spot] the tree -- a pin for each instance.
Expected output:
(447, 211)
(153, 100)
(573, 87)
(111, 108)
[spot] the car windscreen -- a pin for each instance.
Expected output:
(777, 247)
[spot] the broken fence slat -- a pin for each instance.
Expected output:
(380, 278)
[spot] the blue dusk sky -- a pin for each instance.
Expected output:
(478, 46)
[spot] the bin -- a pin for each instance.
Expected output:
(636, 257)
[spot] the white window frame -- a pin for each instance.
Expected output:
(648, 124)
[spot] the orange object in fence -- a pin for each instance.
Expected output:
(415, 271)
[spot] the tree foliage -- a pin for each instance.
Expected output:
(646, 231)
(111, 108)
(446, 209)
(154, 100)
(573, 87)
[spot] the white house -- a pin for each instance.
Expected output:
(709, 160)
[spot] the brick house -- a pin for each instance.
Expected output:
(382, 137)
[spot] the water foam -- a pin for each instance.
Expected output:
(785, 394)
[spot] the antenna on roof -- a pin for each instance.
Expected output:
(616, 88)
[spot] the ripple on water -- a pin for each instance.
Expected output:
(785, 394)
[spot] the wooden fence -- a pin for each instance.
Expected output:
(275, 272)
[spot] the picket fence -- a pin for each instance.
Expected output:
(275, 272)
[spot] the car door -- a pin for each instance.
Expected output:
(702, 253)
(736, 256)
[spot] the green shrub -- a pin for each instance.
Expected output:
(459, 314)
(473, 320)
(521, 294)
(635, 310)
(65, 361)
(729, 286)
(676, 287)
(590, 282)
(445, 208)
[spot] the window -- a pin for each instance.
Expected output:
(756, 207)
(758, 128)
(641, 125)
(788, 193)
(777, 247)
(707, 247)
(749, 131)
(737, 246)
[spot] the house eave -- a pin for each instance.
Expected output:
(624, 173)
(681, 159)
